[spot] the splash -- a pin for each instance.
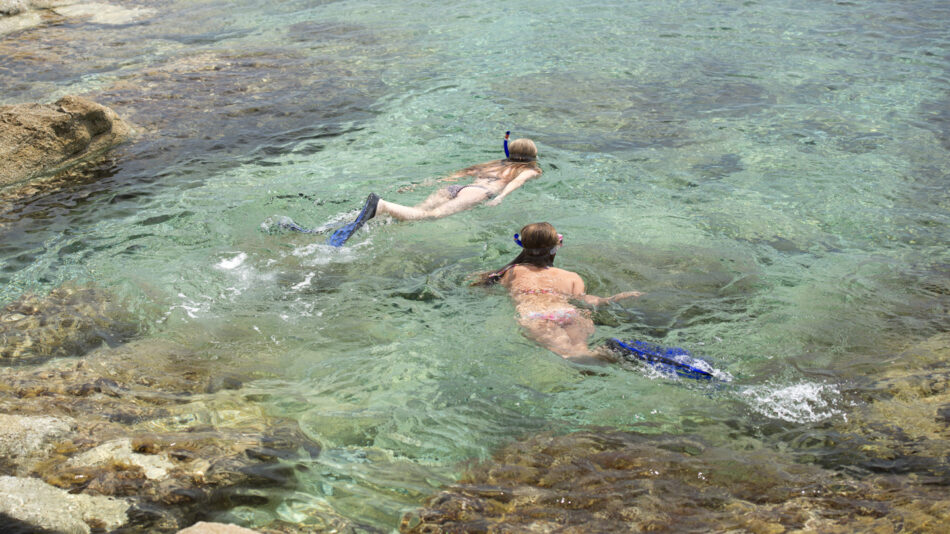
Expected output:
(806, 402)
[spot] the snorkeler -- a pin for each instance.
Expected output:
(545, 296)
(491, 183)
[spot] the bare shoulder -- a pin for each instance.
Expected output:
(575, 281)
(528, 174)
(510, 275)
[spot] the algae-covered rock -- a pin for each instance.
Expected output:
(38, 140)
(147, 424)
(24, 439)
(36, 503)
(67, 322)
(902, 425)
(154, 466)
(624, 482)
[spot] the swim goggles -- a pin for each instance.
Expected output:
(560, 242)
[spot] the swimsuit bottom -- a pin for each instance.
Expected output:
(562, 317)
(454, 190)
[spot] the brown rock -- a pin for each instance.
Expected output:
(202, 527)
(40, 140)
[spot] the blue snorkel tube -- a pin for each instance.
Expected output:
(506, 144)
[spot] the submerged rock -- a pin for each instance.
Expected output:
(103, 13)
(25, 440)
(140, 422)
(36, 503)
(625, 482)
(68, 322)
(39, 140)
(901, 425)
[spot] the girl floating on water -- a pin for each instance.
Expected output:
(545, 295)
(491, 183)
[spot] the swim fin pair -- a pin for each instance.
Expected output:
(343, 233)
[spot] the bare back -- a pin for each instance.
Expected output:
(536, 289)
(542, 298)
(496, 175)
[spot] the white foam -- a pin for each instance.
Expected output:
(305, 283)
(232, 263)
(806, 402)
(191, 308)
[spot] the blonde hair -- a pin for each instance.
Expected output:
(521, 150)
(522, 156)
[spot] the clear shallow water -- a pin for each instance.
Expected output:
(772, 174)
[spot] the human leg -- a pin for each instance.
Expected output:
(438, 197)
(434, 207)
(400, 212)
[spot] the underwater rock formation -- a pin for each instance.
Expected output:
(39, 140)
(151, 423)
(903, 424)
(68, 322)
(25, 439)
(883, 468)
(35, 503)
(608, 481)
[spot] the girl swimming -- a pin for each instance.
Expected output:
(545, 295)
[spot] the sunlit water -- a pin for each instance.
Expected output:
(772, 174)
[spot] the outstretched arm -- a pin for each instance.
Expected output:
(579, 292)
(512, 185)
(594, 300)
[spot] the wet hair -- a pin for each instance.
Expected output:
(522, 156)
(539, 242)
(522, 150)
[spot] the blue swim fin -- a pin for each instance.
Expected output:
(343, 233)
(666, 359)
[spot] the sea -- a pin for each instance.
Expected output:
(772, 174)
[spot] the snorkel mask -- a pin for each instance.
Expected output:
(518, 158)
(560, 242)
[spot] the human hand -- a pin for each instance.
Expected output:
(493, 202)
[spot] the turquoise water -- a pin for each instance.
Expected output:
(772, 174)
